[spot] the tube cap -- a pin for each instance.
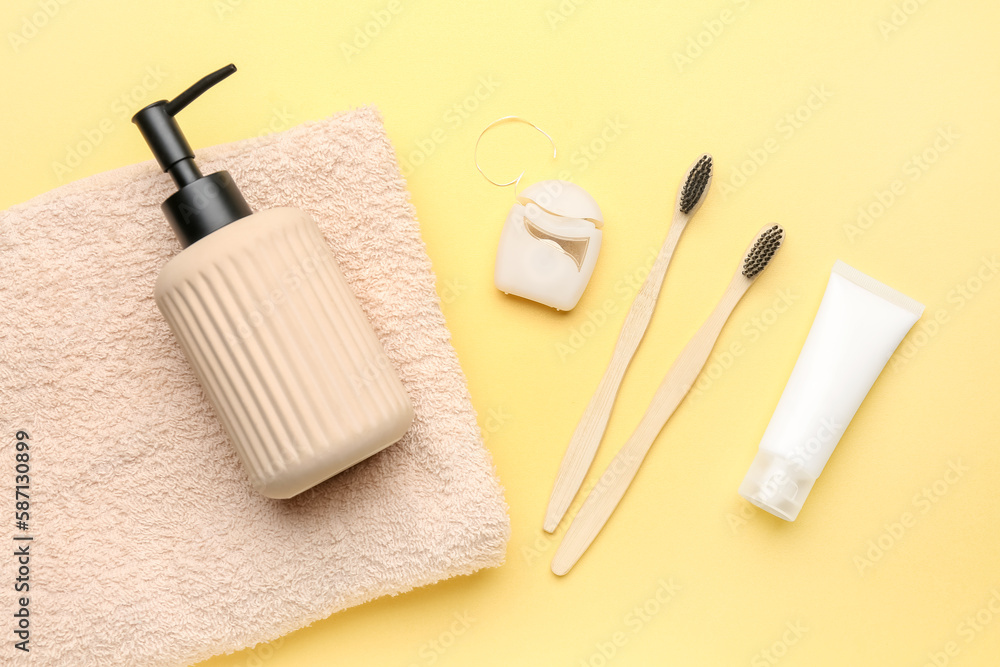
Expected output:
(203, 206)
(777, 485)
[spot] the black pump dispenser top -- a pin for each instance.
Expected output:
(202, 204)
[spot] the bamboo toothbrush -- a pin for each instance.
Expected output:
(616, 479)
(587, 436)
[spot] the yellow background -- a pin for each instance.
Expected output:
(895, 79)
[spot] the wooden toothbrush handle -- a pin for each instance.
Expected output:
(589, 431)
(611, 487)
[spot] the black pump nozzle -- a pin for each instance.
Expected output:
(202, 204)
(197, 88)
(163, 134)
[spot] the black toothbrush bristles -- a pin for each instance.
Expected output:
(694, 187)
(762, 251)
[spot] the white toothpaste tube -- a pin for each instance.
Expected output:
(859, 324)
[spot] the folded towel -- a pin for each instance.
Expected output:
(149, 545)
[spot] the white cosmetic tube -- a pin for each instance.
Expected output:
(859, 324)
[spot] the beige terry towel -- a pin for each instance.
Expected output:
(150, 547)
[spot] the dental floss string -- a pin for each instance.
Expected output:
(517, 180)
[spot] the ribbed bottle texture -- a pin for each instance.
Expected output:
(283, 350)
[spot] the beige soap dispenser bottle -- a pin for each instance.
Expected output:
(270, 326)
